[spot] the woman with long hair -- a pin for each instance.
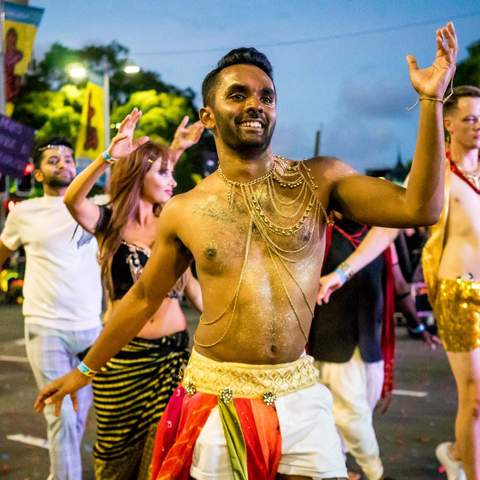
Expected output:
(132, 390)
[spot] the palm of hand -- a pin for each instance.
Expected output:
(122, 145)
(433, 80)
(185, 137)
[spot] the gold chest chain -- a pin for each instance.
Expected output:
(292, 214)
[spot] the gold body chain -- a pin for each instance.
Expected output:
(293, 215)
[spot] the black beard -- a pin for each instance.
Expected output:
(249, 147)
(58, 182)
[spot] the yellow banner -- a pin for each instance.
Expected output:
(20, 27)
(91, 135)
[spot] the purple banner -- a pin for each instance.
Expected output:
(16, 142)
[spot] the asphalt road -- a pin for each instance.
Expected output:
(420, 416)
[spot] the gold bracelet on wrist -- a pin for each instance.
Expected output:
(431, 99)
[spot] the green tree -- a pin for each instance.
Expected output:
(52, 112)
(468, 70)
(51, 104)
(50, 75)
(162, 112)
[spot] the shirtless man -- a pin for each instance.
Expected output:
(256, 231)
(451, 264)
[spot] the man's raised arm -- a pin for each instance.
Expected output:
(166, 263)
(374, 201)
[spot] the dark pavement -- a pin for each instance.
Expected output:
(416, 422)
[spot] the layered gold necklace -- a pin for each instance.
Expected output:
(293, 213)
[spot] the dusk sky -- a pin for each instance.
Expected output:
(339, 65)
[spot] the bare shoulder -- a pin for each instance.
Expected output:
(172, 211)
(179, 208)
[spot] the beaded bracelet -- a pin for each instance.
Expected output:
(343, 276)
(344, 271)
(108, 158)
(85, 370)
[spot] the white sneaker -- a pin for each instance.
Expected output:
(453, 468)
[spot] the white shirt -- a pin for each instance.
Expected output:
(62, 286)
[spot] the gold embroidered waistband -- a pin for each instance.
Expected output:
(244, 380)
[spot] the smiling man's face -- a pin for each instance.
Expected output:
(244, 108)
(57, 167)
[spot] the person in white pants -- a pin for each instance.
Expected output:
(62, 294)
(345, 341)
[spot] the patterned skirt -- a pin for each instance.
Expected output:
(130, 395)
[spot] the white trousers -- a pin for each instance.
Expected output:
(52, 353)
(356, 387)
(310, 443)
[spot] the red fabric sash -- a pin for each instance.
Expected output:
(177, 432)
(261, 432)
(354, 238)
(183, 420)
(388, 330)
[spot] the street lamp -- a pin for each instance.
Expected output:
(131, 69)
(77, 71)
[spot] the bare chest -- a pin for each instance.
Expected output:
(143, 236)
(224, 234)
(464, 214)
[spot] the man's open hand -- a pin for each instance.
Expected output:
(433, 81)
(53, 393)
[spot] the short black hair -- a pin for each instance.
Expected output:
(52, 141)
(238, 56)
(460, 92)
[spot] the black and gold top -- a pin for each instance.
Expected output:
(128, 262)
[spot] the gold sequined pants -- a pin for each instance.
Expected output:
(457, 313)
